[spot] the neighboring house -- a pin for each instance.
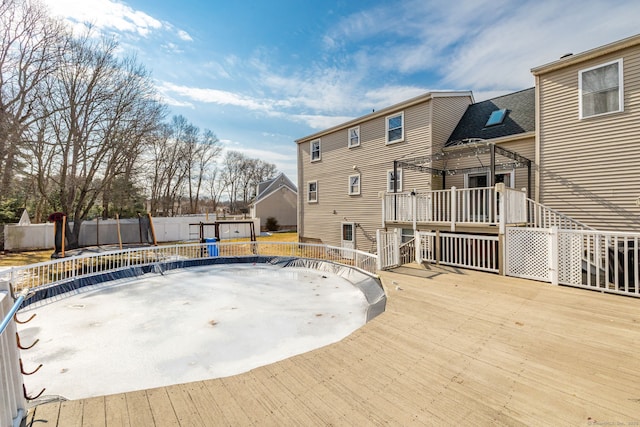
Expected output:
(343, 171)
(277, 198)
(588, 135)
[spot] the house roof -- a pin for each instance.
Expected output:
(266, 188)
(386, 111)
(571, 59)
(520, 118)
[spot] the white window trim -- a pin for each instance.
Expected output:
(386, 125)
(620, 89)
(389, 183)
(309, 192)
(359, 185)
(319, 150)
(349, 137)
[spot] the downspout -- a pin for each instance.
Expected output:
(537, 139)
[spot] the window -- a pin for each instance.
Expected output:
(496, 118)
(391, 178)
(312, 191)
(601, 89)
(354, 137)
(395, 128)
(354, 185)
(315, 150)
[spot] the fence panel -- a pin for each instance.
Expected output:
(388, 249)
(470, 251)
(527, 253)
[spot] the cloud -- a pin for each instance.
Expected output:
(105, 14)
(184, 36)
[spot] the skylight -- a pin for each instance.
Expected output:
(496, 117)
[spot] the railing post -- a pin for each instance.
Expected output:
(437, 248)
(384, 209)
(502, 212)
(379, 248)
(414, 210)
(454, 213)
(553, 256)
(417, 241)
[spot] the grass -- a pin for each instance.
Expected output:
(14, 259)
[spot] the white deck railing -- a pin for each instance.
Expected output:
(459, 250)
(492, 206)
(544, 217)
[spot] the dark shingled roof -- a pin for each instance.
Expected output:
(521, 113)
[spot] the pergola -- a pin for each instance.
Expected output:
(437, 164)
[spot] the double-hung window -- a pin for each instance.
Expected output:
(312, 191)
(354, 137)
(391, 178)
(315, 150)
(395, 128)
(354, 185)
(601, 89)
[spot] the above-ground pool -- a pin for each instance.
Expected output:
(190, 324)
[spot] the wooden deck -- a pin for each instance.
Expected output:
(453, 348)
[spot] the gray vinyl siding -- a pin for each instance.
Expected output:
(281, 204)
(372, 158)
(447, 112)
(591, 167)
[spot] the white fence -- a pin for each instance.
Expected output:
(597, 260)
(472, 251)
(65, 269)
(105, 232)
(388, 249)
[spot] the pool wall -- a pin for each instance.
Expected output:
(368, 284)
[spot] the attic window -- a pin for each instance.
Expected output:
(496, 118)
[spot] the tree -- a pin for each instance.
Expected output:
(31, 45)
(241, 175)
(100, 110)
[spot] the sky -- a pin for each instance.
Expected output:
(261, 74)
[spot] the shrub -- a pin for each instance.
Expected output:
(272, 224)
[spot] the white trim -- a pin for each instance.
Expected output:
(389, 186)
(319, 141)
(355, 193)
(309, 193)
(349, 145)
(620, 89)
(386, 126)
(512, 176)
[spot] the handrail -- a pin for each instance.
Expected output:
(9, 316)
(558, 217)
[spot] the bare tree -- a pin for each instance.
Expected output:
(100, 109)
(241, 175)
(31, 44)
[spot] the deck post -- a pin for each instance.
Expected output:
(502, 255)
(414, 210)
(454, 213)
(437, 254)
(502, 213)
(379, 248)
(553, 255)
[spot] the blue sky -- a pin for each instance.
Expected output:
(261, 74)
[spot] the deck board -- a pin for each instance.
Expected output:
(454, 347)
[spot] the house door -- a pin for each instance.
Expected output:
(348, 238)
(476, 203)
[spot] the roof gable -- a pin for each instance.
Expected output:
(265, 188)
(519, 118)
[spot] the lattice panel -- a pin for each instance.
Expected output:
(570, 258)
(527, 253)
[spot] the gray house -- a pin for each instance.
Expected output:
(277, 198)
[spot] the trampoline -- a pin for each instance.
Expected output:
(190, 321)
